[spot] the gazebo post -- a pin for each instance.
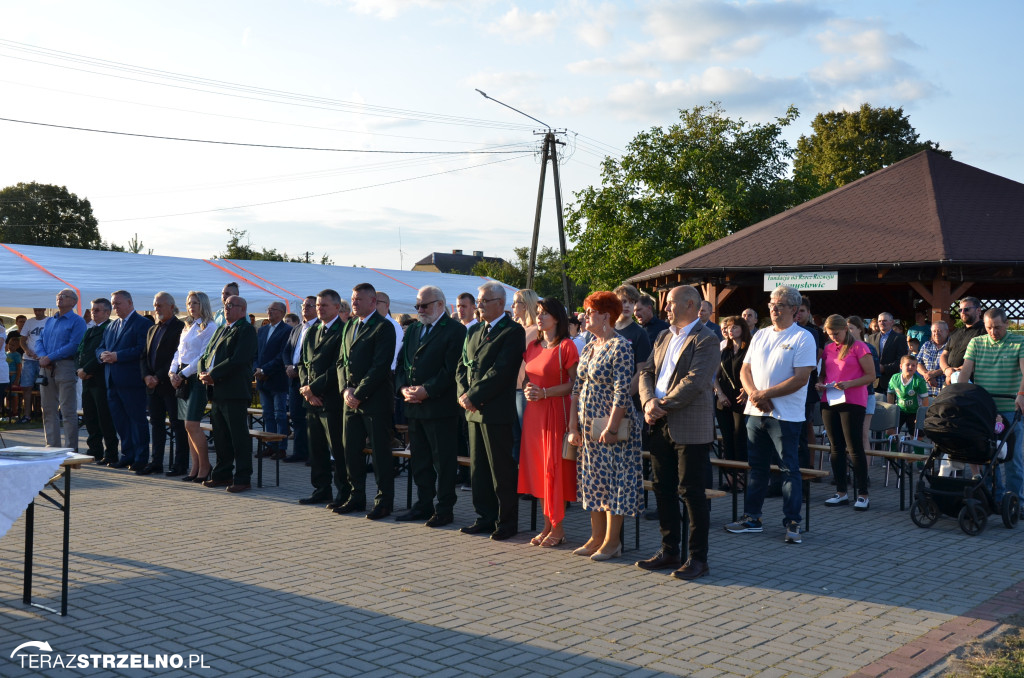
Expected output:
(940, 297)
(716, 296)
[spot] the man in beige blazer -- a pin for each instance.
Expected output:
(677, 395)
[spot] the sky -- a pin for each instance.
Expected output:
(410, 158)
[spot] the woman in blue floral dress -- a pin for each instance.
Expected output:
(609, 474)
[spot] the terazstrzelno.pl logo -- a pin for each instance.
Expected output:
(45, 658)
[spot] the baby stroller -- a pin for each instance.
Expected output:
(961, 424)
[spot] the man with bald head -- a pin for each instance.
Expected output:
(226, 368)
(56, 350)
(161, 344)
(750, 317)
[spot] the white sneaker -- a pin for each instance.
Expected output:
(838, 500)
(861, 504)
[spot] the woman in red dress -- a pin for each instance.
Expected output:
(551, 371)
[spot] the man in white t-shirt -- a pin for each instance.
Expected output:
(31, 331)
(774, 375)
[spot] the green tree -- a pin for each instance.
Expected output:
(547, 279)
(240, 247)
(847, 145)
(48, 215)
(676, 190)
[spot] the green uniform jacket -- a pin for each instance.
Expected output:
(365, 363)
(86, 358)
(489, 368)
(228, 359)
(318, 366)
(432, 363)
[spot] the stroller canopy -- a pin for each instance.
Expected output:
(962, 413)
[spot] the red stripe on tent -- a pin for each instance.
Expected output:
(49, 273)
(395, 279)
(234, 275)
(263, 279)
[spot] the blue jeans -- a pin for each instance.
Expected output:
(766, 438)
(1010, 476)
(275, 415)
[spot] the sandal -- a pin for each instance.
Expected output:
(539, 539)
(551, 541)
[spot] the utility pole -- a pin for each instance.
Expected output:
(549, 153)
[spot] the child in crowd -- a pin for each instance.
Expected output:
(913, 346)
(909, 390)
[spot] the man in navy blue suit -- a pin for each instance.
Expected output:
(271, 379)
(291, 355)
(121, 350)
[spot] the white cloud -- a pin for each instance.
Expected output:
(603, 66)
(518, 26)
(596, 30)
(389, 9)
(737, 88)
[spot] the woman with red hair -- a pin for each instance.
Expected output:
(608, 470)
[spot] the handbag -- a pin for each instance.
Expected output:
(601, 423)
(570, 452)
(185, 390)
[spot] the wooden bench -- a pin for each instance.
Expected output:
(732, 467)
(261, 438)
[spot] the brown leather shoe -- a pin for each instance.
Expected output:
(660, 561)
(234, 489)
(216, 483)
(693, 569)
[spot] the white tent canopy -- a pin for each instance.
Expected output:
(33, 275)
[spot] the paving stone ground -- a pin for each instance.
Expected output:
(261, 586)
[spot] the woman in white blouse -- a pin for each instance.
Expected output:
(183, 371)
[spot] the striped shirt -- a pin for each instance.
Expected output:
(997, 366)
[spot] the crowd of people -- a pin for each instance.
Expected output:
(543, 402)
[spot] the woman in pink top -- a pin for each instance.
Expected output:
(846, 367)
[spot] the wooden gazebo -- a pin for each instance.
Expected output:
(926, 228)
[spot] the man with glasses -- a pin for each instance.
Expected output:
(56, 350)
(891, 347)
(952, 359)
(291, 356)
(486, 379)
(774, 375)
(226, 366)
(425, 379)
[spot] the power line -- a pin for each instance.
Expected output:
(236, 90)
(319, 195)
(251, 145)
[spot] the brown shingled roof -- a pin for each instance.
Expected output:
(926, 209)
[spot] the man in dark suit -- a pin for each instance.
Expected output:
(676, 389)
(95, 409)
(425, 379)
(291, 357)
(318, 384)
(161, 343)
(121, 352)
(226, 369)
(486, 378)
(270, 377)
(891, 347)
(364, 375)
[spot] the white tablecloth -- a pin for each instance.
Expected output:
(20, 482)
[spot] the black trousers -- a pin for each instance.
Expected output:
(360, 427)
(844, 424)
(733, 426)
(99, 424)
(231, 438)
(433, 446)
(325, 439)
(679, 470)
(164, 404)
(493, 474)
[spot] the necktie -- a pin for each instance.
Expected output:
(117, 332)
(426, 331)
